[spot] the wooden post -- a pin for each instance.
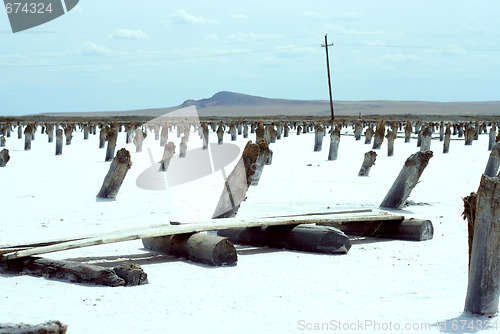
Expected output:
(419, 137)
(50, 132)
(102, 136)
(267, 134)
(367, 164)
(391, 136)
(460, 130)
(260, 132)
(199, 247)
(86, 131)
(261, 160)
(447, 139)
(139, 139)
(379, 135)
(299, 130)
(406, 180)
(470, 134)
(111, 137)
(493, 135)
(4, 157)
(28, 135)
(369, 134)
(493, 161)
(426, 139)
(477, 130)
(316, 239)
(441, 131)
(52, 327)
(179, 130)
(2, 141)
(239, 126)
(129, 133)
(417, 127)
(68, 131)
(358, 130)
(318, 138)
(245, 131)
(408, 130)
(19, 131)
(204, 131)
(220, 133)
(116, 174)
(164, 134)
(59, 141)
(279, 129)
(470, 214)
(232, 131)
(483, 289)
(183, 147)
(286, 130)
(168, 153)
(334, 144)
(252, 127)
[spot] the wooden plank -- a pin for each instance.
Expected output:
(210, 225)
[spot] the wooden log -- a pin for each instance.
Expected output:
(334, 144)
(183, 147)
(28, 136)
(139, 139)
(116, 174)
(316, 239)
(358, 130)
(4, 157)
(426, 139)
(447, 139)
(408, 130)
(71, 271)
(368, 162)
(220, 133)
(102, 136)
(369, 134)
(406, 180)
(379, 135)
(59, 141)
(198, 247)
(48, 327)
(318, 138)
(483, 289)
(131, 273)
(492, 137)
(391, 136)
(68, 132)
(408, 229)
(168, 153)
(111, 137)
(493, 161)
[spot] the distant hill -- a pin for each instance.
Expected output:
(241, 105)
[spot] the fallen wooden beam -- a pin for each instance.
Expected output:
(207, 225)
(52, 327)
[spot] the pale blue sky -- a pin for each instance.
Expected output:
(121, 55)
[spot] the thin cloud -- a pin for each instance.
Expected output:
(183, 17)
(128, 34)
(349, 16)
(92, 49)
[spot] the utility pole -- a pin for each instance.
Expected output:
(326, 45)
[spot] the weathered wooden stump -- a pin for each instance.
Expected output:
(252, 127)
(139, 139)
(19, 131)
(368, 134)
(260, 132)
(267, 134)
(239, 126)
(164, 134)
(49, 327)
(68, 132)
(407, 229)
(299, 130)
(261, 160)
(391, 136)
(2, 141)
(493, 161)
(426, 139)
(183, 147)
(129, 133)
(131, 273)
(483, 289)
(59, 141)
(334, 144)
(279, 129)
(358, 130)
(417, 127)
(408, 130)
(470, 134)
(232, 131)
(245, 131)
(28, 137)
(168, 153)
(368, 162)
(419, 138)
(102, 136)
(111, 138)
(379, 135)
(86, 131)
(204, 134)
(441, 131)
(492, 137)
(447, 139)
(199, 247)
(477, 130)
(318, 138)
(306, 238)
(470, 214)
(220, 133)
(116, 174)
(406, 180)
(4, 157)
(50, 132)
(286, 130)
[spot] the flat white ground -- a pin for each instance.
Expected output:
(378, 286)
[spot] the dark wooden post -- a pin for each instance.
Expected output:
(239, 126)
(391, 136)
(286, 130)
(111, 137)
(379, 135)
(334, 143)
(455, 129)
(2, 141)
(419, 138)
(168, 153)
(28, 132)
(426, 139)
(417, 127)
(279, 129)
(470, 134)
(447, 139)
(260, 132)
(19, 131)
(460, 130)
(441, 131)
(129, 133)
(68, 131)
(102, 136)
(406, 180)
(116, 174)
(358, 130)
(139, 139)
(477, 130)
(299, 130)
(252, 127)
(86, 131)
(318, 138)
(204, 133)
(183, 147)
(220, 133)
(50, 132)
(4, 157)
(369, 134)
(367, 164)
(232, 131)
(245, 131)
(492, 138)
(493, 161)
(59, 141)
(483, 289)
